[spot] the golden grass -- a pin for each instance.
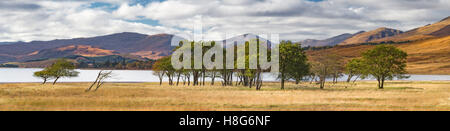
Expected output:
(398, 95)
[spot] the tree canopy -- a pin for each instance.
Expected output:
(61, 68)
(385, 62)
(293, 62)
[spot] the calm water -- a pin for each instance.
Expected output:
(8, 75)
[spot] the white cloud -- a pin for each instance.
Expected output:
(292, 19)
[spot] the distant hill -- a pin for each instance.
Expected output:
(438, 29)
(152, 46)
(71, 50)
(240, 39)
(369, 36)
(79, 54)
(328, 42)
(129, 45)
(5, 43)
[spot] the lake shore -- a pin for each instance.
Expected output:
(362, 95)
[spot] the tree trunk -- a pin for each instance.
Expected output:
(322, 82)
(349, 78)
(282, 81)
(178, 78)
(379, 83)
(54, 82)
(213, 77)
(259, 81)
(45, 81)
(312, 79)
(355, 79)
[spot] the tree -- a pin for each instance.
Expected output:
(62, 68)
(44, 74)
(300, 66)
(355, 68)
(101, 77)
(158, 71)
(293, 62)
(385, 62)
(324, 66)
(163, 67)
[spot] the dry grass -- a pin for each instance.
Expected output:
(398, 95)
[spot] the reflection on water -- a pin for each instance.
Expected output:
(26, 75)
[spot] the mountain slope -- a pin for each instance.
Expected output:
(371, 36)
(71, 50)
(439, 29)
(328, 42)
(428, 56)
(431, 56)
(123, 43)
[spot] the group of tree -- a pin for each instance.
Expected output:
(59, 69)
(122, 65)
(384, 62)
(326, 66)
(293, 66)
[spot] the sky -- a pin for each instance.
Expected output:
(28, 20)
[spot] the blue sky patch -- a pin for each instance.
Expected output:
(107, 6)
(147, 22)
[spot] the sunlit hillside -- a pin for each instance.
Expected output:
(431, 56)
(439, 29)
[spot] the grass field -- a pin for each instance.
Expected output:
(398, 95)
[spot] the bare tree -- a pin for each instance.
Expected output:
(101, 77)
(160, 75)
(326, 66)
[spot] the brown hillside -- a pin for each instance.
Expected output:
(371, 36)
(86, 50)
(59, 52)
(438, 29)
(430, 56)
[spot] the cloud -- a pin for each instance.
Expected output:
(13, 5)
(292, 19)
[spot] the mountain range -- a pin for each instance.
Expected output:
(145, 46)
(134, 46)
(428, 47)
(127, 44)
(383, 35)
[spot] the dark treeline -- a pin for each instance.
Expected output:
(128, 65)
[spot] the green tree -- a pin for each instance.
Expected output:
(62, 68)
(44, 74)
(385, 62)
(163, 66)
(355, 68)
(158, 71)
(293, 62)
